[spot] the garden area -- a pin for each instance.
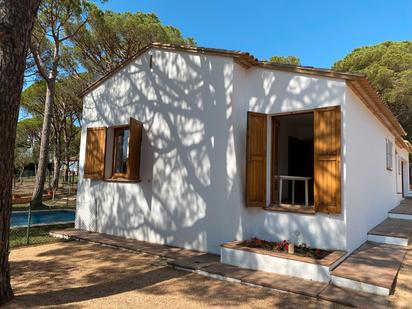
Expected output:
(56, 212)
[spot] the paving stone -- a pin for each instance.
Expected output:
(286, 283)
(394, 228)
(373, 263)
(130, 244)
(353, 298)
(228, 271)
(196, 262)
(404, 208)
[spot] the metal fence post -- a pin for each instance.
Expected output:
(28, 225)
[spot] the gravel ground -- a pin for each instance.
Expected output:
(403, 291)
(82, 275)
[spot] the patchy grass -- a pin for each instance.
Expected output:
(38, 235)
(65, 196)
(60, 202)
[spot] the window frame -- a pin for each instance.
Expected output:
(389, 155)
(115, 175)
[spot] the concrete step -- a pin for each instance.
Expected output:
(403, 211)
(392, 231)
(372, 268)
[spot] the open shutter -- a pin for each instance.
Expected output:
(327, 167)
(256, 160)
(275, 162)
(135, 142)
(95, 153)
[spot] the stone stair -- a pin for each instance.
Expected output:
(392, 231)
(374, 266)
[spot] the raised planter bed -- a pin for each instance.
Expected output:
(235, 253)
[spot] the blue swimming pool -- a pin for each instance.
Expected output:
(42, 217)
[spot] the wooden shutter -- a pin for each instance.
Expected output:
(275, 162)
(327, 157)
(95, 153)
(256, 160)
(135, 142)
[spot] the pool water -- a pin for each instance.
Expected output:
(42, 217)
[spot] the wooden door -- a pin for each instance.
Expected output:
(256, 160)
(327, 160)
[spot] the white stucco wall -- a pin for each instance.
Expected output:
(370, 187)
(190, 194)
(194, 108)
(274, 92)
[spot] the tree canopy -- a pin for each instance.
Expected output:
(28, 133)
(110, 38)
(388, 67)
(293, 60)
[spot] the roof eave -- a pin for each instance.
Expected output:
(365, 91)
(357, 82)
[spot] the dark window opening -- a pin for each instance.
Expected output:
(121, 152)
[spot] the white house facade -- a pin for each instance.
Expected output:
(191, 185)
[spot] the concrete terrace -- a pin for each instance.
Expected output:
(208, 265)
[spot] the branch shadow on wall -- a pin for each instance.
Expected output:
(193, 152)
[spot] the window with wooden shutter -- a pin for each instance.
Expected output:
(126, 141)
(95, 153)
(327, 160)
(256, 160)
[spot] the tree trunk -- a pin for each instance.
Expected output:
(66, 155)
(44, 144)
(16, 22)
(66, 169)
(21, 176)
(56, 165)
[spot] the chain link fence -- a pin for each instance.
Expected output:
(25, 226)
(23, 236)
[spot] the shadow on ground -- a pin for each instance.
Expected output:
(74, 274)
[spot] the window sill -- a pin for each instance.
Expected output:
(122, 180)
(307, 210)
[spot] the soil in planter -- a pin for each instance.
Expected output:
(283, 246)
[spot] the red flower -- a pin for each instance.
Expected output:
(286, 247)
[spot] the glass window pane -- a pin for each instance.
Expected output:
(121, 151)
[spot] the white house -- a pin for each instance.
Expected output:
(188, 147)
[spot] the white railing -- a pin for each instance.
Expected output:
(293, 179)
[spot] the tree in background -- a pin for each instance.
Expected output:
(110, 38)
(388, 67)
(16, 22)
(65, 120)
(293, 60)
(27, 144)
(69, 107)
(48, 48)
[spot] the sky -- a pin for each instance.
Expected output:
(318, 32)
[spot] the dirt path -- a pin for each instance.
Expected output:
(80, 275)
